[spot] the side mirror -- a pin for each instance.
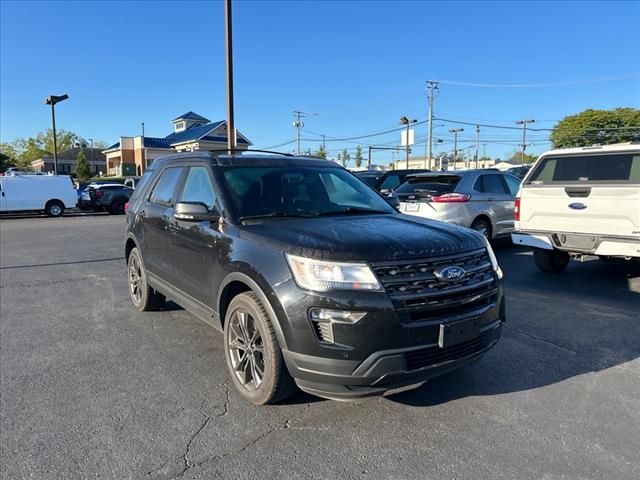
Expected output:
(385, 192)
(394, 201)
(192, 212)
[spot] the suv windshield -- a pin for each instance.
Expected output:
(618, 168)
(432, 185)
(300, 192)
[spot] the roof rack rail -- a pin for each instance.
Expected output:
(236, 150)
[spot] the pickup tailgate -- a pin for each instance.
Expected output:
(591, 193)
(602, 211)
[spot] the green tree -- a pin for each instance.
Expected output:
(83, 171)
(516, 157)
(602, 127)
(345, 158)
(25, 150)
(6, 161)
(358, 156)
(322, 153)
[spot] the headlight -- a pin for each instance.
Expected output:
(320, 276)
(492, 258)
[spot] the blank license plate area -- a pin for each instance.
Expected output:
(457, 332)
(411, 207)
(581, 242)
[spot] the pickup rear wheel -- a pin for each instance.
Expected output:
(252, 353)
(144, 297)
(54, 208)
(553, 261)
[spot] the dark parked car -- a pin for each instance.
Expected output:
(109, 197)
(386, 181)
(312, 277)
(519, 172)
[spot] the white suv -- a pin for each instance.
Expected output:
(580, 201)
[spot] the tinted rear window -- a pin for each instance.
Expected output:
(431, 185)
(618, 168)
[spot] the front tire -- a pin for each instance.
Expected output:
(144, 297)
(552, 261)
(252, 354)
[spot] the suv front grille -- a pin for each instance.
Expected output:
(419, 295)
(428, 357)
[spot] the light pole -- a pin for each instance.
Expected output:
(52, 100)
(406, 121)
(91, 140)
(524, 135)
(231, 131)
(455, 132)
(433, 87)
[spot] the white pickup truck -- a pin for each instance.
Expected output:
(580, 201)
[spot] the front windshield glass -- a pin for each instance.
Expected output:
(300, 192)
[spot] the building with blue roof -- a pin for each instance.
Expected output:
(191, 131)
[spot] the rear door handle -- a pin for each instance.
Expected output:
(174, 226)
(142, 214)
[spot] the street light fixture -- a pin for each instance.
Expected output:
(52, 100)
(406, 121)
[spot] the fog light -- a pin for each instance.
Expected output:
(323, 320)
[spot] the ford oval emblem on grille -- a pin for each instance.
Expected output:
(450, 274)
(577, 206)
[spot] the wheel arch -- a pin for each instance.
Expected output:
(129, 245)
(238, 282)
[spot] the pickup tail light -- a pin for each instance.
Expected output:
(516, 210)
(451, 198)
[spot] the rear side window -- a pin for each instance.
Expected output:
(164, 192)
(616, 168)
(513, 184)
(436, 185)
(391, 182)
(489, 184)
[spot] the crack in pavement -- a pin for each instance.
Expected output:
(285, 426)
(544, 340)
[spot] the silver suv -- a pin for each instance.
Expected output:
(479, 199)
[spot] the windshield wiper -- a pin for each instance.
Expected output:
(272, 215)
(352, 211)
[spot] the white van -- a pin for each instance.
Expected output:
(580, 201)
(48, 193)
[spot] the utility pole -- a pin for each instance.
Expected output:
(524, 135)
(324, 147)
(299, 124)
(477, 144)
(91, 140)
(455, 132)
(231, 130)
(433, 87)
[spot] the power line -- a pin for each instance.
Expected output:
(537, 85)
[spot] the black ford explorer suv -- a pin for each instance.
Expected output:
(312, 277)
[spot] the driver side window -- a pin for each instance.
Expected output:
(198, 188)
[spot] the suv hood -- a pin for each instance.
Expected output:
(370, 238)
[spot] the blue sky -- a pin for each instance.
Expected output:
(360, 65)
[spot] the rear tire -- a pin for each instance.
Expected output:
(144, 297)
(553, 261)
(54, 208)
(117, 207)
(482, 227)
(252, 354)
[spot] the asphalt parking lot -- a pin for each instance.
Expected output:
(90, 388)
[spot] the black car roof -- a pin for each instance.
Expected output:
(248, 159)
